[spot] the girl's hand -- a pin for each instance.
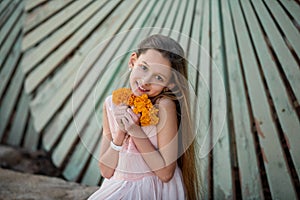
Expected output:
(131, 123)
(119, 113)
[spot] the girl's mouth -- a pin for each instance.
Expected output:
(141, 89)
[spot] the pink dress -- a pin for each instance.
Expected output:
(133, 179)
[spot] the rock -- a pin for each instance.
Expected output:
(23, 160)
(16, 185)
(9, 156)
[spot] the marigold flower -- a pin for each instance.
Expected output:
(141, 104)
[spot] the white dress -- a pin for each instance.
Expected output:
(132, 178)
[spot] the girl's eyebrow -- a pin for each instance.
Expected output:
(144, 62)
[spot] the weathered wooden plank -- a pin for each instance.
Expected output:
(184, 37)
(10, 31)
(222, 175)
(179, 18)
(31, 137)
(249, 177)
(10, 98)
(287, 61)
(49, 26)
(88, 138)
(83, 91)
(78, 157)
(9, 65)
(30, 4)
(168, 25)
(54, 59)
(293, 8)
(44, 12)
(162, 16)
(92, 175)
(286, 25)
(276, 167)
(20, 121)
(6, 8)
(203, 92)
(193, 52)
(283, 106)
(36, 55)
(66, 88)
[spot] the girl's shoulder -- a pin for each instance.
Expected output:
(165, 103)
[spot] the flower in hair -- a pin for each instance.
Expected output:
(140, 104)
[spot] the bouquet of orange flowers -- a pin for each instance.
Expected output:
(141, 104)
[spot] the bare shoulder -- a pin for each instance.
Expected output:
(166, 104)
(167, 114)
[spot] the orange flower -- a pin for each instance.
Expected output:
(141, 104)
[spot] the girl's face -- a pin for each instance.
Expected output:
(151, 73)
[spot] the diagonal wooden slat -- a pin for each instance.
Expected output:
(284, 107)
(287, 61)
(36, 55)
(251, 186)
(43, 13)
(49, 26)
(290, 31)
(222, 178)
(275, 164)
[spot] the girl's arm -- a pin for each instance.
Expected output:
(162, 161)
(108, 156)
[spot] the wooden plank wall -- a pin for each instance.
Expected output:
(14, 102)
(61, 61)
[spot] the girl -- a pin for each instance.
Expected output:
(155, 161)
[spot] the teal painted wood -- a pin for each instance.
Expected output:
(178, 21)
(54, 59)
(50, 43)
(51, 25)
(168, 25)
(193, 51)
(287, 27)
(203, 92)
(92, 174)
(284, 108)
(293, 9)
(20, 121)
(222, 178)
(276, 167)
(43, 13)
(10, 99)
(33, 3)
(9, 31)
(249, 176)
(5, 7)
(162, 15)
(10, 62)
(185, 28)
(31, 137)
(287, 61)
(6, 10)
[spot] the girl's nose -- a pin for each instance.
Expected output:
(147, 80)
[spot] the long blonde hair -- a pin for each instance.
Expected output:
(187, 160)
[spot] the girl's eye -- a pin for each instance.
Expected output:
(159, 78)
(144, 67)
